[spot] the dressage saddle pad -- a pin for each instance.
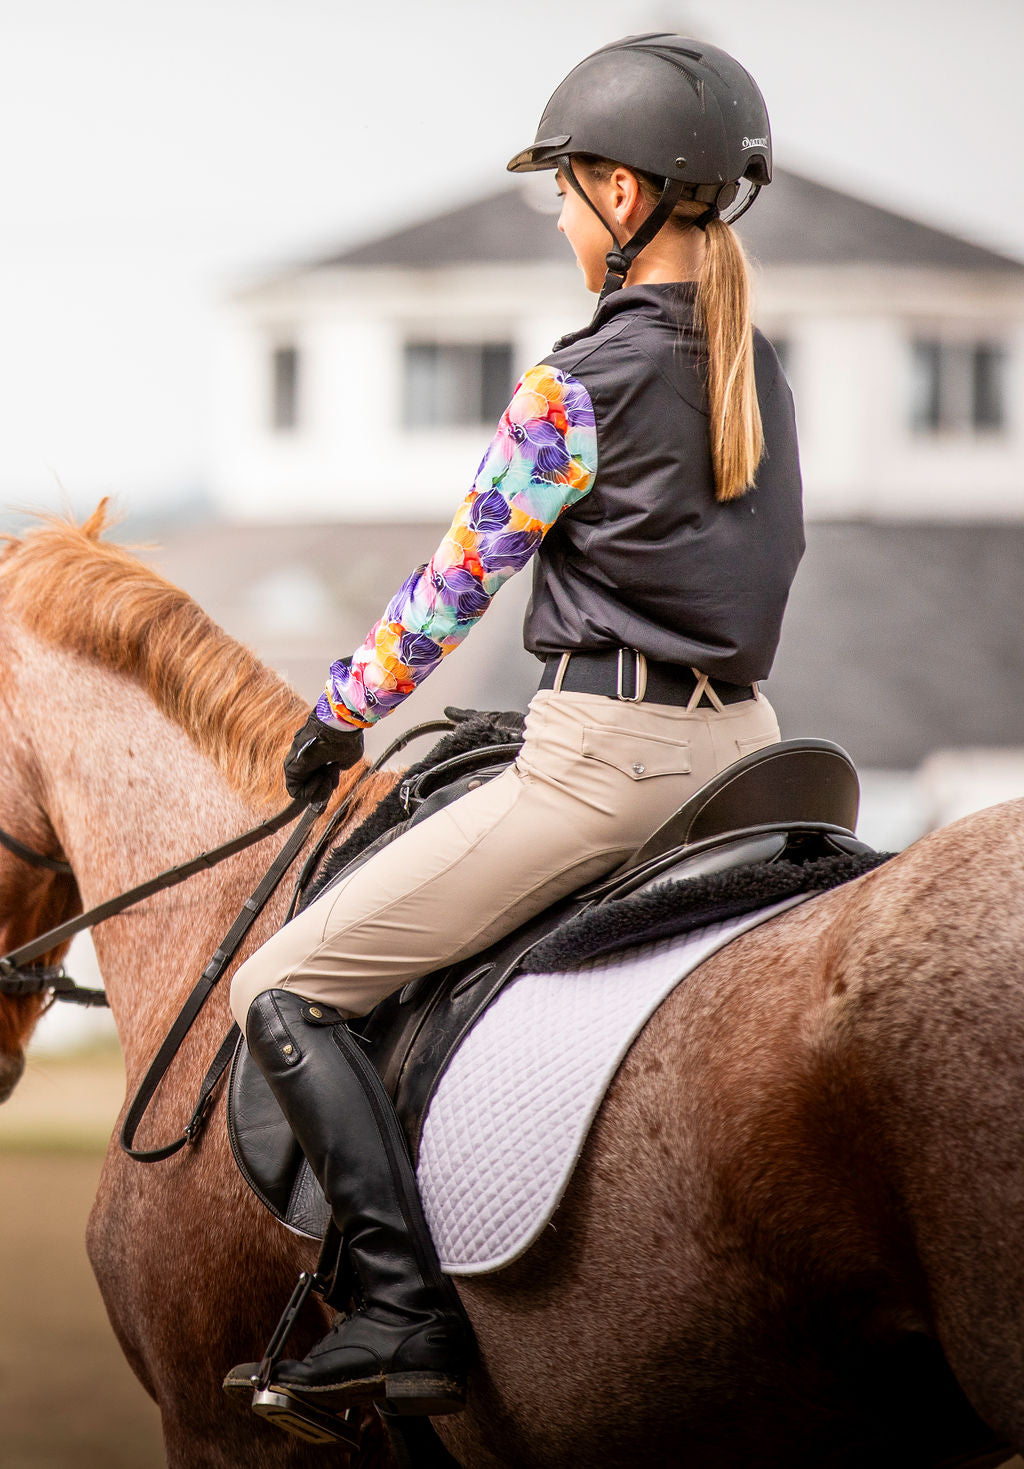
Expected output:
(511, 1113)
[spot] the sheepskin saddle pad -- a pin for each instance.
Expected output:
(499, 1065)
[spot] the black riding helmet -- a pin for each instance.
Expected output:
(680, 110)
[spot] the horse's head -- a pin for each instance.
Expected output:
(33, 897)
(28, 906)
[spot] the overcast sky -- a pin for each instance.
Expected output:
(157, 151)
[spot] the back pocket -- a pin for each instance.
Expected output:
(755, 742)
(638, 756)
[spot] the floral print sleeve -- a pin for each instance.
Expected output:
(542, 459)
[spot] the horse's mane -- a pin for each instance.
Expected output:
(64, 583)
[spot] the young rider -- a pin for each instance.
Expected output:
(648, 467)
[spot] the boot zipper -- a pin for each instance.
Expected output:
(397, 1149)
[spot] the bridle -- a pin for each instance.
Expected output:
(21, 974)
(36, 859)
(43, 978)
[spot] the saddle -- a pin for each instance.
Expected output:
(776, 823)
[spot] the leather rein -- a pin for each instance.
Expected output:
(21, 975)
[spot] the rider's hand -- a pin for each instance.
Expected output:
(318, 753)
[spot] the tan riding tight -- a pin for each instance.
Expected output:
(595, 777)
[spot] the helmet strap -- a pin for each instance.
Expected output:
(621, 257)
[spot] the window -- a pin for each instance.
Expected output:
(987, 386)
(284, 389)
(957, 386)
(456, 385)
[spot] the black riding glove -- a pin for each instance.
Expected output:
(319, 752)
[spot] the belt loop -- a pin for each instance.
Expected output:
(709, 689)
(560, 672)
(699, 690)
(704, 686)
(639, 678)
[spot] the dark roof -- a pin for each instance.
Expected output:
(899, 639)
(904, 639)
(501, 228)
(796, 221)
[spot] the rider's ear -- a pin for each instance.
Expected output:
(625, 193)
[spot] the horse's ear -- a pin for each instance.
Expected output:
(98, 521)
(102, 519)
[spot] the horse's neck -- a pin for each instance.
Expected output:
(128, 794)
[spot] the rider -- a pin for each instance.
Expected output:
(649, 468)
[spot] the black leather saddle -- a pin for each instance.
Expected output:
(795, 802)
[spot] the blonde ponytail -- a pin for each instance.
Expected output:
(722, 312)
(722, 315)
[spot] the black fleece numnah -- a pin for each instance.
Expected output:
(681, 907)
(482, 728)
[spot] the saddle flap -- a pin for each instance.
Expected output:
(266, 1153)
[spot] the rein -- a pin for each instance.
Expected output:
(19, 976)
(36, 859)
(225, 953)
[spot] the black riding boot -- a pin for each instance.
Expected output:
(408, 1340)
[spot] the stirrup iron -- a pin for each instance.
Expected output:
(304, 1421)
(279, 1407)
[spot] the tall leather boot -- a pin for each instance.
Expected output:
(408, 1341)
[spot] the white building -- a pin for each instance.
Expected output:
(357, 395)
(366, 386)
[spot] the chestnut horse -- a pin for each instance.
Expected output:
(796, 1234)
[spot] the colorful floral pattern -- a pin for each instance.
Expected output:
(542, 459)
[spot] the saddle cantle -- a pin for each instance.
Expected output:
(791, 807)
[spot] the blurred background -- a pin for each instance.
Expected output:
(265, 280)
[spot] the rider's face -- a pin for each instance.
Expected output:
(579, 224)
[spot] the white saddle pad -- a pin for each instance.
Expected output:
(511, 1113)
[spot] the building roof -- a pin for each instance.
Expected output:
(796, 221)
(899, 639)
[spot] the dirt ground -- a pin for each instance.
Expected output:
(67, 1398)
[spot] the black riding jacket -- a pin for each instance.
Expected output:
(648, 558)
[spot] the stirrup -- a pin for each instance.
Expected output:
(304, 1421)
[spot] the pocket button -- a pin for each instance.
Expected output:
(638, 767)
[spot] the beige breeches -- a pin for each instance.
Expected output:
(595, 777)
